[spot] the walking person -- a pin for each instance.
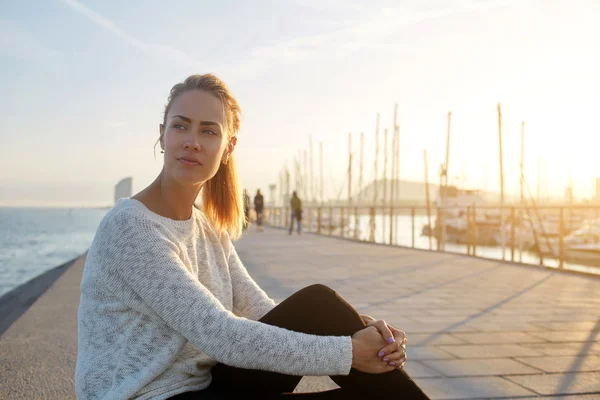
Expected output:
(296, 207)
(259, 203)
(246, 210)
(168, 310)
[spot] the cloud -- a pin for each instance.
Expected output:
(151, 49)
(371, 28)
(16, 42)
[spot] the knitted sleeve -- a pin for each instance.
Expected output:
(146, 258)
(249, 300)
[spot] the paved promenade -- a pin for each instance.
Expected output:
(476, 328)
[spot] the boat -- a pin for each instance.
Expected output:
(457, 202)
(581, 246)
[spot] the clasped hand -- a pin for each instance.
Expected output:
(379, 347)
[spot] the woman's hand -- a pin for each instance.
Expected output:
(395, 352)
(365, 347)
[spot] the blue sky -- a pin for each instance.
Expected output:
(84, 84)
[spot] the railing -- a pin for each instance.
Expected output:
(552, 236)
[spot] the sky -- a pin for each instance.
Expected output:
(84, 86)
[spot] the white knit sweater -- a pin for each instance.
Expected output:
(163, 300)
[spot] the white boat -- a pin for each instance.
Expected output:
(455, 205)
(581, 246)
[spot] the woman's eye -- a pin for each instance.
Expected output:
(209, 132)
(178, 126)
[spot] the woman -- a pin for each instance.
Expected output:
(167, 309)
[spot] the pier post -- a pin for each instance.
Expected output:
(438, 230)
(330, 220)
(412, 220)
(287, 217)
(474, 229)
(342, 221)
(356, 223)
(372, 224)
(391, 225)
(512, 234)
(319, 214)
(561, 238)
(469, 230)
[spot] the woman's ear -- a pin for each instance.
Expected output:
(229, 150)
(231, 145)
(161, 130)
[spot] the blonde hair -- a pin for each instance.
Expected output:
(221, 196)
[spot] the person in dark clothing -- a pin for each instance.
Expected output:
(259, 203)
(246, 210)
(296, 206)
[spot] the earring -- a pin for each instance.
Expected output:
(162, 152)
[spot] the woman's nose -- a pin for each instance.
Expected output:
(192, 144)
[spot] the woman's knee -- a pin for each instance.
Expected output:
(317, 290)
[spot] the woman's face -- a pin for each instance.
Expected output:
(193, 138)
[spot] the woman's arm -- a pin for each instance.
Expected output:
(143, 256)
(249, 300)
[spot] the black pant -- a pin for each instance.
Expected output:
(259, 217)
(316, 310)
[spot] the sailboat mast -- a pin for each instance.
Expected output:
(375, 184)
(427, 199)
(502, 233)
(349, 168)
(360, 170)
(321, 195)
(312, 177)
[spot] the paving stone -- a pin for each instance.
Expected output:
(415, 327)
(449, 319)
(564, 364)
(565, 349)
(457, 311)
(572, 326)
(430, 339)
(471, 388)
(416, 369)
(480, 367)
(571, 383)
(566, 336)
(427, 353)
(499, 338)
(498, 326)
(490, 351)
(572, 397)
(406, 312)
(315, 384)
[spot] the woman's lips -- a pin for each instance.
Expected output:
(185, 161)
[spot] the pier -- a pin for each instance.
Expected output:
(476, 328)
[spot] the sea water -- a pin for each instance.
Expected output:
(34, 240)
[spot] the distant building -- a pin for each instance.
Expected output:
(569, 195)
(123, 189)
(598, 189)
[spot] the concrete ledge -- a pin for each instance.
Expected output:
(16, 302)
(38, 351)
